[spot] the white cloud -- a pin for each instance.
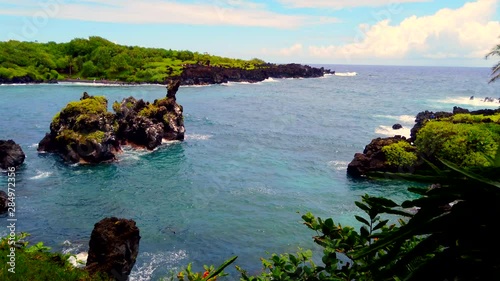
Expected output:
(466, 32)
(340, 4)
(292, 51)
(218, 12)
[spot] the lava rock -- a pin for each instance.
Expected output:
(397, 126)
(85, 132)
(11, 154)
(373, 159)
(3, 202)
(113, 248)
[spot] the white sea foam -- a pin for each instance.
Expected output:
(477, 102)
(41, 175)
(194, 86)
(338, 165)
(269, 80)
(130, 153)
(79, 260)
(407, 119)
(229, 84)
(144, 271)
(97, 84)
(198, 137)
(389, 131)
(346, 74)
(170, 142)
(34, 145)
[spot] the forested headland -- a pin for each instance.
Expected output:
(98, 58)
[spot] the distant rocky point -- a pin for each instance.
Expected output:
(196, 74)
(85, 132)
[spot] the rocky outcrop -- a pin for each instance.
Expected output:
(147, 125)
(11, 154)
(85, 132)
(423, 117)
(204, 75)
(373, 159)
(3, 202)
(113, 248)
(397, 126)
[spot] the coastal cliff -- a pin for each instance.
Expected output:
(203, 75)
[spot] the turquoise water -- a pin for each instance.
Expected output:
(256, 157)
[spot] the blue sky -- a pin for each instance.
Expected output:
(383, 32)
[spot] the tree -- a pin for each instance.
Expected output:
(495, 70)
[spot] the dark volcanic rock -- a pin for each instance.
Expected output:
(397, 126)
(85, 132)
(113, 247)
(203, 75)
(373, 159)
(423, 117)
(3, 202)
(11, 154)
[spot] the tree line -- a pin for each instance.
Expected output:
(99, 58)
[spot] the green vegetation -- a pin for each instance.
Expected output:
(85, 115)
(98, 58)
(400, 154)
(467, 145)
(38, 263)
(91, 105)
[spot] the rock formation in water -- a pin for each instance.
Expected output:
(85, 132)
(397, 126)
(373, 159)
(11, 154)
(113, 248)
(4, 200)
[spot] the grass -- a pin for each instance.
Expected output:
(38, 263)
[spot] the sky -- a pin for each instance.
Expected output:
(367, 32)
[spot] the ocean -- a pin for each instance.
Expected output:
(256, 157)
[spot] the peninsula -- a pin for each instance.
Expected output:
(99, 60)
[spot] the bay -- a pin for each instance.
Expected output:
(256, 157)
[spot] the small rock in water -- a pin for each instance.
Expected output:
(397, 126)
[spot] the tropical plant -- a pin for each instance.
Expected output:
(447, 233)
(495, 70)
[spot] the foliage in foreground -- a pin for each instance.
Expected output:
(448, 233)
(37, 263)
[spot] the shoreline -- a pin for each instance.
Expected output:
(200, 75)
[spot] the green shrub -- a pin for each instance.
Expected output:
(149, 111)
(400, 154)
(467, 145)
(91, 105)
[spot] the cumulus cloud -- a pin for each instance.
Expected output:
(218, 12)
(340, 4)
(294, 50)
(466, 32)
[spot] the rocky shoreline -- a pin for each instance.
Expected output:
(198, 74)
(374, 158)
